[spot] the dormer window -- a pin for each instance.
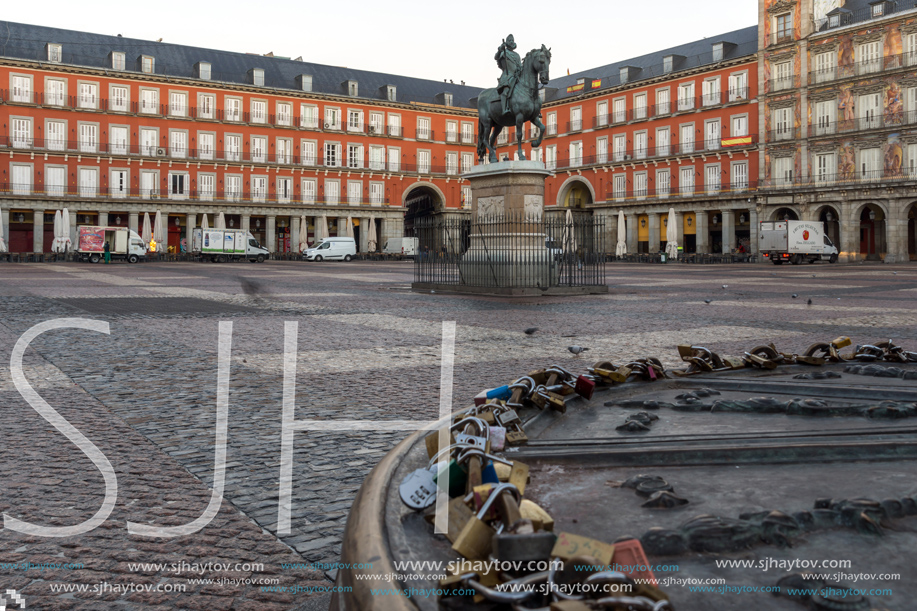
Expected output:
(257, 77)
(624, 72)
(352, 88)
(147, 64)
(54, 53)
(391, 93)
(581, 81)
(447, 99)
(718, 52)
(118, 60)
(305, 82)
(834, 21)
(878, 9)
(203, 71)
(668, 63)
(541, 94)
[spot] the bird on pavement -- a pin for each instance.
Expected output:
(795, 295)
(531, 330)
(707, 300)
(576, 350)
(809, 302)
(725, 285)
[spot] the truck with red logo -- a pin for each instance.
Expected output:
(795, 242)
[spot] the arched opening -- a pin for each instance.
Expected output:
(690, 245)
(785, 214)
(872, 233)
(830, 218)
(742, 231)
(577, 196)
(715, 225)
(420, 202)
(912, 232)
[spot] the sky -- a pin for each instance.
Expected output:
(433, 40)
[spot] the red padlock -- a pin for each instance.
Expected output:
(584, 387)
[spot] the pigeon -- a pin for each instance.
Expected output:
(795, 295)
(813, 275)
(576, 350)
(707, 300)
(809, 302)
(531, 330)
(725, 285)
(895, 273)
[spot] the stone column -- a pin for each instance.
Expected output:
(133, 221)
(850, 234)
(701, 232)
(365, 222)
(680, 232)
(632, 234)
(729, 231)
(294, 233)
(164, 247)
(190, 222)
(247, 222)
(74, 242)
(271, 232)
(611, 232)
(38, 231)
(653, 228)
(341, 227)
(103, 219)
(5, 225)
(896, 232)
(754, 230)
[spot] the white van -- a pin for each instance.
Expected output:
(332, 249)
(406, 247)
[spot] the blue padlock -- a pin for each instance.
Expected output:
(502, 393)
(489, 474)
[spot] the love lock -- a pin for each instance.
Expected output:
(606, 373)
(418, 490)
(543, 397)
(521, 388)
(476, 539)
(480, 436)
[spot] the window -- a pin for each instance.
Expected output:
(640, 145)
(149, 142)
(870, 164)
(466, 197)
(332, 118)
(451, 131)
(258, 146)
(284, 148)
(712, 135)
(55, 135)
(233, 109)
(117, 139)
(203, 71)
(259, 111)
(354, 120)
(825, 117)
(54, 53)
(332, 191)
(784, 27)
(576, 119)
(118, 183)
(147, 64)
(601, 150)
(178, 143)
(308, 152)
(206, 104)
(878, 9)
(89, 96)
(640, 185)
(738, 86)
(601, 113)
(391, 93)
(783, 77)
(552, 123)
(912, 104)
(206, 186)
(149, 184)
(332, 154)
(550, 157)
(451, 163)
(394, 160)
(394, 125)
(825, 67)
(308, 190)
(206, 145)
(686, 139)
(179, 185)
(711, 91)
(619, 147)
(825, 167)
(869, 57)
(118, 98)
(620, 110)
(686, 96)
(869, 111)
(576, 154)
(663, 139)
(21, 89)
(233, 187)
(354, 192)
(178, 104)
(22, 133)
(663, 183)
(783, 124)
(258, 77)
(740, 176)
(783, 171)
(305, 82)
(467, 162)
(739, 126)
(423, 128)
(233, 147)
(118, 60)
(89, 182)
(640, 106)
(686, 181)
(355, 156)
(467, 133)
(376, 122)
(149, 101)
(910, 49)
(423, 162)
(259, 188)
(668, 63)
(22, 179)
(662, 102)
(712, 179)
(718, 52)
(620, 186)
(89, 138)
(352, 88)
(308, 116)
(911, 160)
(447, 99)
(376, 157)
(56, 181)
(55, 92)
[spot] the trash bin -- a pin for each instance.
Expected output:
(662, 257)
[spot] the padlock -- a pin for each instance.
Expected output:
(523, 547)
(489, 474)
(432, 443)
(501, 392)
(458, 477)
(418, 489)
(473, 461)
(497, 438)
(476, 539)
(478, 439)
(569, 545)
(563, 574)
(507, 417)
(541, 519)
(841, 342)
(517, 436)
(584, 387)
(521, 388)
(519, 476)
(539, 376)
(553, 400)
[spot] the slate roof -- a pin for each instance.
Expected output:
(26, 41)
(697, 53)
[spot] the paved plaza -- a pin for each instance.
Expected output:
(368, 348)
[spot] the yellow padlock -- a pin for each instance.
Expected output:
(476, 539)
(540, 518)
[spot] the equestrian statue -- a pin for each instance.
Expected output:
(515, 100)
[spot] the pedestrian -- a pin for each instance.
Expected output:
(107, 253)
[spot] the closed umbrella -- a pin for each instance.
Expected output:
(3, 247)
(321, 230)
(158, 233)
(221, 222)
(621, 248)
(66, 243)
(303, 233)
(569, 234)
(349, 233)
(204, 224)
(671, 236)
(147, 233)
(56, 243)
(371, 238)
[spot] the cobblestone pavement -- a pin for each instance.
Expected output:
(368, 348)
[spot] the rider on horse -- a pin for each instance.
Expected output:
(511, 65)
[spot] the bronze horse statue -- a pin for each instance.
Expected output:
(524, 105)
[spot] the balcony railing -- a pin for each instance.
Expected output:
(782, 36)
(847, 70)
(674, 190)
(637, 154)
(783, 82)
(843, 180)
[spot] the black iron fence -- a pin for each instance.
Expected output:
(507, 251)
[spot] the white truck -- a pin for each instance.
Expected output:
(122, 244)
(795, 241)
(221, 245)
(406, 247)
